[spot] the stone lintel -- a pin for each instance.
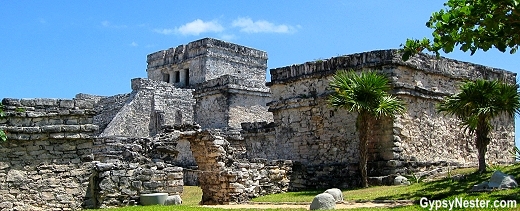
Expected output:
(231, 84)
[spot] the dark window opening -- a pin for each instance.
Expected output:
(177, 77)
(187, 77)
(166, 77)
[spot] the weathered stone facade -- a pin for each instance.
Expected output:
(46, 162)
(151, 105)
(228, 101)
(53, 160)
(204, 60)
(307, 130)
(206, 116)
(225, 178)
(126, 167)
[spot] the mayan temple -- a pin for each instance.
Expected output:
(206, 116)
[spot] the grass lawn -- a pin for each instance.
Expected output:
(442, 188)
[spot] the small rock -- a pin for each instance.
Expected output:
(173, 200)
(323, 201)
(400, 180)
(336, 193)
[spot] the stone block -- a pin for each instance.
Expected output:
(66, 103)
(51, 128)
(70, 128)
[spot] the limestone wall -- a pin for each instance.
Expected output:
(228, 101)
(151, 105)
(53, 161)
(224, 178)
(45, 164)
(107, 108)
(423, 136)
(127, 167)
(204, 60)
(308, 131)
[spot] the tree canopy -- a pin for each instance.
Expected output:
(472, 25)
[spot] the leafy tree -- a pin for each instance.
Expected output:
(472, 24)
(477, 103)
(367, 94)
(3, 136)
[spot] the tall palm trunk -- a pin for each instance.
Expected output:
(365, 129)
(482, 140)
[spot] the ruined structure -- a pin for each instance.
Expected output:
(205, 116)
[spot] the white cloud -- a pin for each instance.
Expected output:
(195, 27)
(134, 44)
(261, 26)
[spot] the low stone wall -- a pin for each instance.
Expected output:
(53, 161)
(46, 162)
(120, 184)
(126, 167)
(225, 179)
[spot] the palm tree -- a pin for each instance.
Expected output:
(477, 103)
(367, 94)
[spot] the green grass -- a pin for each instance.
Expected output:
(442, 188)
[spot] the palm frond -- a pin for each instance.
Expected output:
(363, 92)
(389, 106)
(482, 99)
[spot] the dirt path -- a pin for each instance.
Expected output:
(344, 205)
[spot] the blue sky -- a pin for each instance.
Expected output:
(57, 49)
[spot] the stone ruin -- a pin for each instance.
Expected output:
(206, 117)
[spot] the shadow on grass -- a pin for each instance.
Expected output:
(447, 189)
(307, 193)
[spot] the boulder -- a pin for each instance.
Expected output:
(501, 180)
(336, 193)
(480, 187)
(323, 201)
(400, 180)
(173, 200)
(498, 180)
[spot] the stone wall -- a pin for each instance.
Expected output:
(53, 161)
(126, 167)
(226, 179)
(45, 164)
(107, 108)
(204, 60)
(228, 101)
(308, 131)
(151, 105)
